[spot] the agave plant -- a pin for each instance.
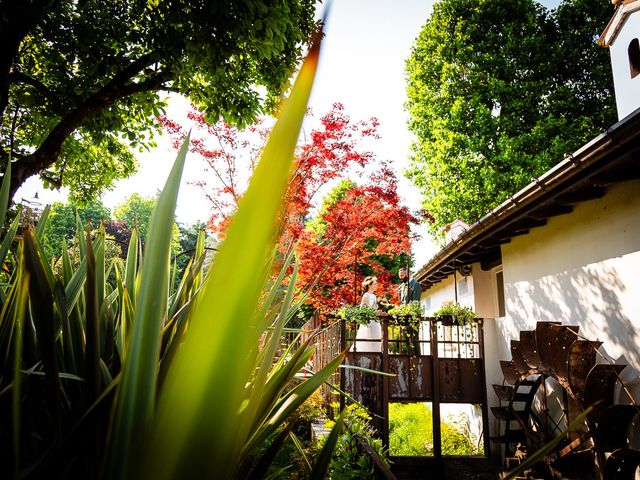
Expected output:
(104, 379)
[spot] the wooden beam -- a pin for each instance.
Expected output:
(491, 261)
(551, 210)
(526, 223)
(631, 171)
(590, 192)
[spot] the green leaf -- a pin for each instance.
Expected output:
(131, 267)
(20, 306)
(368, 370)
(92, 328)
(296, 441)
(323, 461)
(4, 192)
(76, 283)
(42, 222)
(10, 236)
(197, 434)
(41, 301)
(539, 455)
(136, 399)
(290, 402)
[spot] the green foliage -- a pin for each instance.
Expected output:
(361, 314)
(459, 314)
(136, 212)
(410, 429)
(404, 328)
(187, 241)
(348, 461)
(293, 460)
(81, 82)
(498, 91)
(61, 224)
(107, 382)
(457, 438)
(411, 434)
(411, 310)
(318, 224)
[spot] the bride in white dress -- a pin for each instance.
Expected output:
(373, 331)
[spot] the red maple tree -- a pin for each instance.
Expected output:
(323, 155)
(367, 222)
(365, 225)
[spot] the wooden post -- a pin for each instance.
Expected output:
(485, 407)
(385, 383)
(435, 382)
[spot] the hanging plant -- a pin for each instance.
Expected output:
(407, 314)
(456, 315)
(361, 315)
(404, 335)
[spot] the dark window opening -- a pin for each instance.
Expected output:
(634, 57)
(500, 292)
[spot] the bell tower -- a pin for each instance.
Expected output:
(622, 38)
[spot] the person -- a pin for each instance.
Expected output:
(373, 331)
(410, 291)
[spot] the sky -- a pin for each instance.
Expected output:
(362, 66)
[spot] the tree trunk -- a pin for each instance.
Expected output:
(19, 17)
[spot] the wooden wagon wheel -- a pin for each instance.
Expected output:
(551, 378)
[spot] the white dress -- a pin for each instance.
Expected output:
(373, 331)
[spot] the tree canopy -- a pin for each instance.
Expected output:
(360, 228)
(61, 223)
(333, 145)
(498, 92)
(80, 82)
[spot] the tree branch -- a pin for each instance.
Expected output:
(19, 17)
(56, 182)
(19, 77)
(117, 88)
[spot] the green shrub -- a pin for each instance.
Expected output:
(411, 434)
(410, 431)
(348, 462)
(135, 380)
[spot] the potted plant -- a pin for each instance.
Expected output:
(454, 314)
(358, 315)
(407, 314)
(404, 335)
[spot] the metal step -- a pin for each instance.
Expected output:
(503, 392)
(507, 413)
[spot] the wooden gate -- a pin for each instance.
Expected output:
(446, 365)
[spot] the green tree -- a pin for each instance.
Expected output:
(187, 239)
(498, 92)
(136, 211)
(80, 81)
(61, 224)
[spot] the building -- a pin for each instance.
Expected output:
(566, 248)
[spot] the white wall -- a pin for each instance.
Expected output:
(434, 298)
(481, 298)
(627, 89)
(582, 268)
